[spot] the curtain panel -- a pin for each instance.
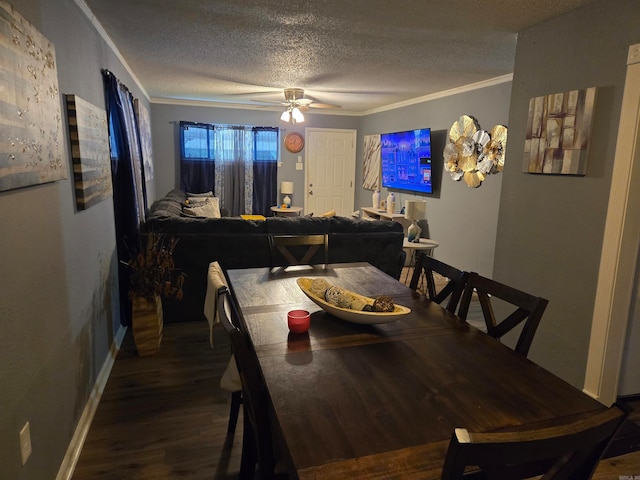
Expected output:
(129, 192)
(197, 172)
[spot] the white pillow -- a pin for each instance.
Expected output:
(210, 208)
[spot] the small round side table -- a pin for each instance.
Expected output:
(423, 244)
(286, 212)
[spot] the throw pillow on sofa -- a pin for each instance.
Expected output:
(209, 208)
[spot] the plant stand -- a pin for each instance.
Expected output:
(147, 325)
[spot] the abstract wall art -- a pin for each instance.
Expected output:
(89, 135)
(371, 162)
(144, 124)
(32, 148)
(558, 132)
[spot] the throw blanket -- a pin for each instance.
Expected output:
(230, 380)
(215, 281)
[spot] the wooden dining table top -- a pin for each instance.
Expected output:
(353, 400)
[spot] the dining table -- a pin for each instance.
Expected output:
(381, 400)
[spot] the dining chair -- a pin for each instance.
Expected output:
(427, 265)
(563, 452)
(528, 309)
(287, 250)
(258, 442)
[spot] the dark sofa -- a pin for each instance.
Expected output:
(238, 243)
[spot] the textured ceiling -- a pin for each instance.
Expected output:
(361, 54)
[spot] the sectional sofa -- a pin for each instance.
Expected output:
(238, 243)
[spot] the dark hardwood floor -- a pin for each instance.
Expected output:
(165, 417)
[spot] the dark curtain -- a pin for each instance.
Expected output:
(197, 170)
(126, 187)
(265, 171)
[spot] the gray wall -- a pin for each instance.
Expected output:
(466, 215)
(58, 312)
(462, 219)
(166, 137)
(550, 228)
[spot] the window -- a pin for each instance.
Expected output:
(238, 163)
(197, 141)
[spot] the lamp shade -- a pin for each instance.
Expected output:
(286, 188)
(415, 210)
(297, 115)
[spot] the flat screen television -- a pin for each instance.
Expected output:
(406, 160)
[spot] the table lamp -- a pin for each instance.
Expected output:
(286, 188)
(414, 210)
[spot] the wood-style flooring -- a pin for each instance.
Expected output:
(165, 417)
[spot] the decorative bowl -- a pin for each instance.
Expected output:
(355, 316)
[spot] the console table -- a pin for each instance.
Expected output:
(380, 214)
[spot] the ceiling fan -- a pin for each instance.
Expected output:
(295, 104)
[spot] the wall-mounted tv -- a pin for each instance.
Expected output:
(406, 160)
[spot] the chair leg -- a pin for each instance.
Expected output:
(249, 458)
(236, 401)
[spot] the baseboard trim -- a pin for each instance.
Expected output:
(77, 441)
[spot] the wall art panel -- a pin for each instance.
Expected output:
(89, 135)
(558, 132)
(371, 162)
(31, 146)
(144, 124)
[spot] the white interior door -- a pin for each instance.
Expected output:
(330, 171)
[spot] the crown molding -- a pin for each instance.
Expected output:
(101, 31)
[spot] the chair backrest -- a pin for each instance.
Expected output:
(289, 250)
(254, 394)
(564, 452)
(528, 309)
(427, 265)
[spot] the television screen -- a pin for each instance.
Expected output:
(406, 160)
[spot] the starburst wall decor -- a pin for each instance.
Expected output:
(473, 153)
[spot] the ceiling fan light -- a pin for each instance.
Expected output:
(286, 116)
(297, 115)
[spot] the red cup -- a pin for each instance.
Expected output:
(298, 321)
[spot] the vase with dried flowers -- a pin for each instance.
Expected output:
(153, 275)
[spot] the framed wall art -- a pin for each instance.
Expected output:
(32, 148)
(89, 136)
(558, 132)
(144, 124)
(371, 162)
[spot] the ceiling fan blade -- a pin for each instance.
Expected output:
(270, 102)
(323, 105)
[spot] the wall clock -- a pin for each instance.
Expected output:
(294, 142)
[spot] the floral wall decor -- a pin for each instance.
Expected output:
(558, 131)
(473, 153)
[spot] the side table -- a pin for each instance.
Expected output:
(423, 244)
(286, 212)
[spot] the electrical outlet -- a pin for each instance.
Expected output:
(298, 166)
(25, 443)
